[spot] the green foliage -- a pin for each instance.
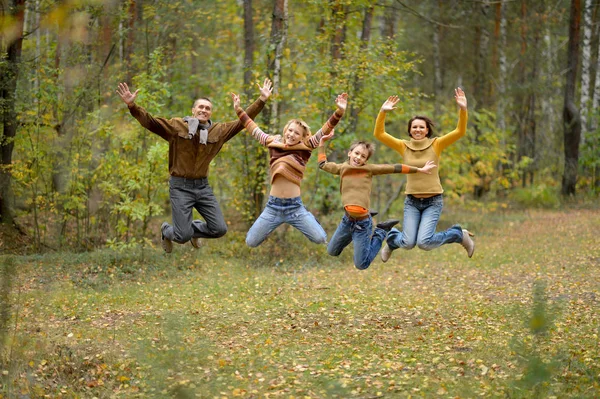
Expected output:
(538, 366)
(538, 196)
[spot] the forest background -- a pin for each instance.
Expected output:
(78, 172)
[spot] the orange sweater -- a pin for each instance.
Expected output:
(355, 182)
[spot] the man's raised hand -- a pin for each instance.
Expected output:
(126, 95)
(266, 89)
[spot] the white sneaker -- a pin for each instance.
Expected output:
(196, 242)
(467, 242)
(165, 242)
(386, 252)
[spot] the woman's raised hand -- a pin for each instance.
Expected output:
(460, 97)
(390, 104)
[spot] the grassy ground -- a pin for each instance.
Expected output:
(519, 319)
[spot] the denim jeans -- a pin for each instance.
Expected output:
(367, 243)
(285, 210)
(187, 194)
(421, 216)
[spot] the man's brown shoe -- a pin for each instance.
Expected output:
(196, 242)
(165, 242)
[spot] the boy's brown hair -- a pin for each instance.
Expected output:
(370, 147)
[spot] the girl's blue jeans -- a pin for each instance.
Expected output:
(421, 216)
(367, 242)
(285, 210)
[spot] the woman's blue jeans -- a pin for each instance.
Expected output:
(367, 242)
(421, 216)
(285, 210)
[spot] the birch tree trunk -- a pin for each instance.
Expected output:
(571, 117)
(586, 61)
(596, 94)
(8, 113)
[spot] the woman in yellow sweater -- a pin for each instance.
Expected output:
(424, 202)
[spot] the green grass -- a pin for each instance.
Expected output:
(286, 320)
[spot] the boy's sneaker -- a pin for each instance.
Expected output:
(467, 242)
(388, 224)
(196, 242)
(386, 252)
(165, 242)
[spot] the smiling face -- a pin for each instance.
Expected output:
(358, 156)
(202, 110)
(294, 132)
(418, 129)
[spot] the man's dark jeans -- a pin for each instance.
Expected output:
(187, 194)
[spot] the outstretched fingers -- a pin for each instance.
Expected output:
(342, 101)
(390, 103)
(236, 100)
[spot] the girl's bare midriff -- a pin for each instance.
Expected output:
(283, 188)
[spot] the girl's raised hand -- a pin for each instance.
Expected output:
(342, 101)
(390, 104)
(427, 168)
(236, 100)
(460, 97)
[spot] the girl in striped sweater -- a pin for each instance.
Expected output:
(289, 154)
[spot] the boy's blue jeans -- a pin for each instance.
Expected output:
(367, 242)
(421, 216)
(285, 210)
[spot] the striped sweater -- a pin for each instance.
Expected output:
(288, 161)
(356, 181)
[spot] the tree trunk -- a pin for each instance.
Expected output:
(437, 62)
(500, 34)
(365, 38)
(339, 23)
(526, 98)
(586, 61)
(254, 162)
(8, 92)
(390, 21)
(277, 42)
(596, 94)
(482, 37)
(571, 117)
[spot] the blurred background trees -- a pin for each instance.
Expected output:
(78, 171)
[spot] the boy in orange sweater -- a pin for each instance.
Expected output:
(355, 187)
